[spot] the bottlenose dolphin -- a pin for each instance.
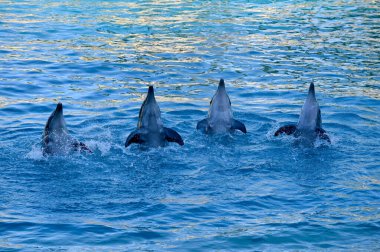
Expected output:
(56, 138)
(150, 129)
(310, 121)
(220, 119)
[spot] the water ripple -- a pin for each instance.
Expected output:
(237, 192)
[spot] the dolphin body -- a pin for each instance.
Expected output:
(56, 138)
(220, 119)
(150, 130)
(309, 124)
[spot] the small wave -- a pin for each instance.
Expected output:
(103, 147)
(36, 153)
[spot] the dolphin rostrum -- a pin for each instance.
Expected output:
(56, 138)
(150, 129)
(310, 121)
(220, 119)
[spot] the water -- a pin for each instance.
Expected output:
(240, 192)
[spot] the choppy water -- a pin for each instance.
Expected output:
(239, 192)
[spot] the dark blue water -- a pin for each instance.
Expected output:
(239, 192)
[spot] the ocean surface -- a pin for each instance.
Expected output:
(238, 192)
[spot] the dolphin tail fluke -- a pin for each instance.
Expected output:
(202, 125)
(79, 146)
(134, 137)
(173, 136)
(237, 125)
(287, 129)
(323, 135)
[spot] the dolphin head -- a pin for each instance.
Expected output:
(56, 122)
(220, 113)
(150, 131)
(56, 138)
(150, 114)
(310, 117)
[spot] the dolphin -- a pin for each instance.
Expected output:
(150, 130)
(56, 138)
(310, 121)
(220, 119)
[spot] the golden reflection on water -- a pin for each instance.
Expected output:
(100, 56)
(129, 31)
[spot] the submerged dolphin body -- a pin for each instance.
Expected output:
(150, 130)
(309, 125)
(220, 119)
(56, 138)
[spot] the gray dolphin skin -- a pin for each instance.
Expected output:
(56, 138)
(150, 131)
(220, 119)
(310, 121)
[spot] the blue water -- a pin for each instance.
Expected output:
(225, 193)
